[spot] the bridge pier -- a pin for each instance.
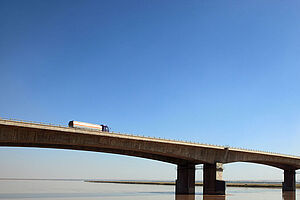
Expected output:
(184, 197)
(212, 185)
(185, 183)
(289, 196)
(289, 184)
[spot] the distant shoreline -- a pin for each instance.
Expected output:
(228, 184)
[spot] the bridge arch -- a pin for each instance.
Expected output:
(97, 149)
(74, 164)
(256, 171)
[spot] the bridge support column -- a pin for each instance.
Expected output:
(289, 184)
(185, 183)
(211, 184)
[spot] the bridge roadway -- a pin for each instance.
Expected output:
(185, 155)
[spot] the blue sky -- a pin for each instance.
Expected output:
(218, 72)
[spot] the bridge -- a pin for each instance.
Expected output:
(183, 154)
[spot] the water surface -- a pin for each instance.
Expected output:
(79, 190)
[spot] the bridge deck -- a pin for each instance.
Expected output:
(194, 152)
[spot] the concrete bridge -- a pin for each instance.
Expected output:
(185, 155)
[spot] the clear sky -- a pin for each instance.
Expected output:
(217, 72)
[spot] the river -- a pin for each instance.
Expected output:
(79, 190)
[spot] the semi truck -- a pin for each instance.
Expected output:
(77, 124)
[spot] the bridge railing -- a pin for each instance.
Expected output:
(32, 122)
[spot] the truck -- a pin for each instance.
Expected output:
(84, 125)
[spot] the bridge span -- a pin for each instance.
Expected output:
(185, 155)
